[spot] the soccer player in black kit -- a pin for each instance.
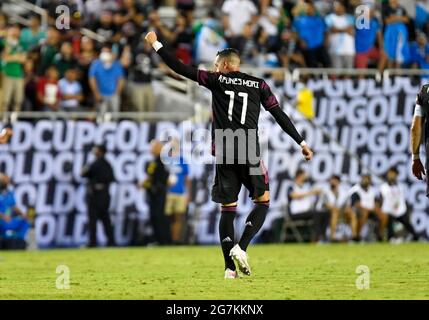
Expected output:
(237, 98)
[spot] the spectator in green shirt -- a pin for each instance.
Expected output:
(33, 35)
(3, 31)
(12, 60)
(64, 60)
(48, 50)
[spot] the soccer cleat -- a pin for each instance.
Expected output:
(240, 258)
(229, 274)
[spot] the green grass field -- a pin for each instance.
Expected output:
(279, 272)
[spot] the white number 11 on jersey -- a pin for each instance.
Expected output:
(231, 95)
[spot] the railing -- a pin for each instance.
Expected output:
(190, 89)
(91, 34)
(44, 18)
(297, 73)
(96, 116)
(326, 72)
(31, 7)
(405, 72)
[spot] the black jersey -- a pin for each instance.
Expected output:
(237, 99)
(236, 104)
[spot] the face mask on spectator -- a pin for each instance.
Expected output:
(106, 58)
(12, 41)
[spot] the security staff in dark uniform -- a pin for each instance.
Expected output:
(156, 186)
(100, 176)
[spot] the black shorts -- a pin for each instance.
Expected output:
(230, 177)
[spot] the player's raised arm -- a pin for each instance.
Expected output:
(177, 66)
(271, 104)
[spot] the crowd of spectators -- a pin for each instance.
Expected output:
(56, 67)
(366, 208)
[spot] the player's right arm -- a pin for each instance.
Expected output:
(416, 139)
(174, 64)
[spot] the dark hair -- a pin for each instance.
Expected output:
(211, 13)
(299, 172)
(107, 45)
(51, 67)
(14, 25)
(67, 42)
(101, 147)
(336, 177)
(228, 53)
(73, 67)
(35, 16)
(393, 169)
(366, 175)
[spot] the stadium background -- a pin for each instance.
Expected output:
(359, 118)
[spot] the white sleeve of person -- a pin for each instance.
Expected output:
(157, 45)
(418, 112)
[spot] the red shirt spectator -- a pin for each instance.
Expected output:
(48, 93)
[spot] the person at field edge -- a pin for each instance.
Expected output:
(333, 200)
(156, 185)
(362, 203)
(100, 175)
(13, 223)
(179, 193)
(302, 205)
(393, 204)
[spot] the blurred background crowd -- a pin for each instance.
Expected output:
(110, 68)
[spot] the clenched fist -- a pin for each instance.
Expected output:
(307, 153)
(151, 37)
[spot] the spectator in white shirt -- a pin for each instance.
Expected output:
(362, 201)
(70, 90)
(268, 21)
(302, 202)
(333, 200)
(341, 37)
(393, 204)
(236, 14)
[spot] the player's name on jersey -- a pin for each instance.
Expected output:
(239, 82)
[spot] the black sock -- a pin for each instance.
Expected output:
(226, 233)
(254, 222)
